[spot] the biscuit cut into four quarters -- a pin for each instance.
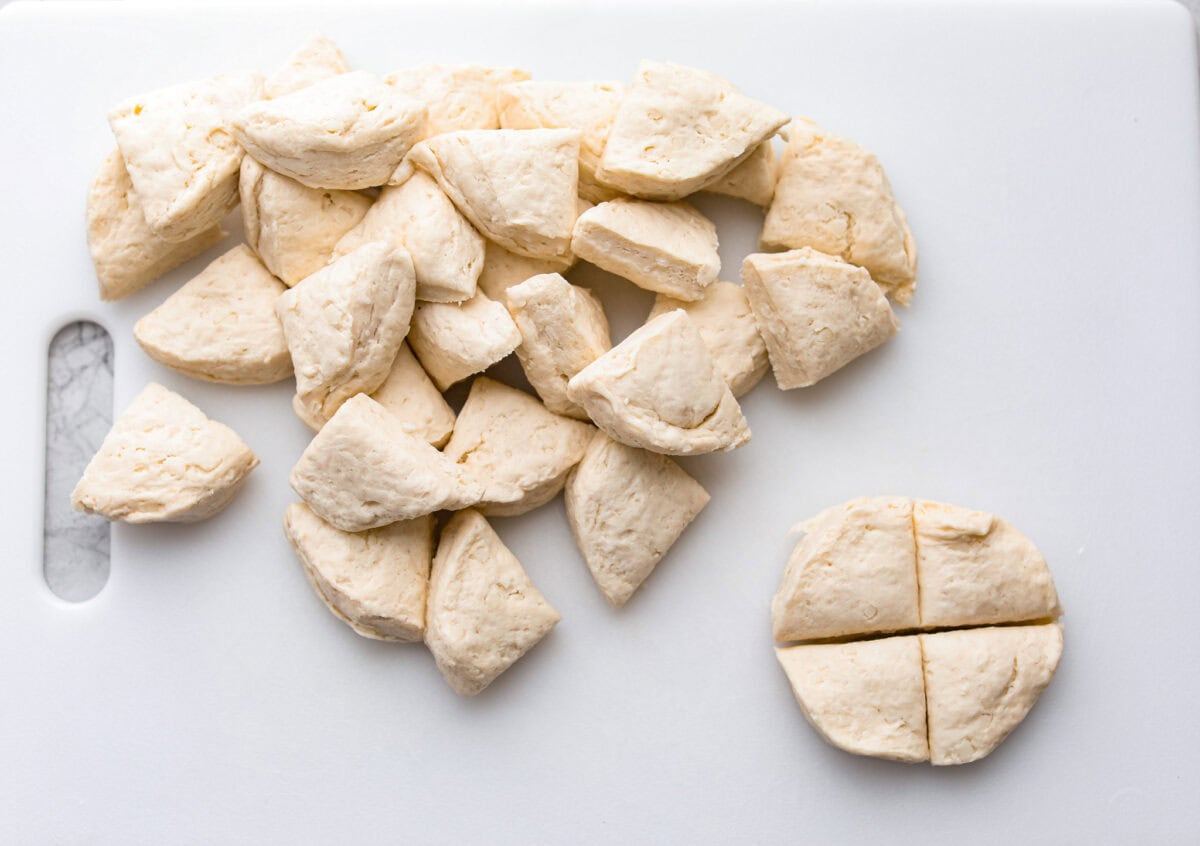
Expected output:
(976, 593)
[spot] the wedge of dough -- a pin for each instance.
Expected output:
(680, 129)
(127, 254)
(563, 330)
(163, 461)
(586, 106)
(456, 340)
(853, 573)
(363, 471)
(976, 569)
(726, 323)
(316, 59)
(456, 96)
(833, 196)
(221, 325)
(376, 582)
(669, 248)
(520, 452)
(658, 389)
(517, 186)
(349, 131)
(179, 148)
(980, 684)
(484, 612)
(447, 252)
(866, 697)
(345, 323)
(626, 508)
(292, 227)
(753, 180)
(411, 396)
(503, 269)
(816, 313)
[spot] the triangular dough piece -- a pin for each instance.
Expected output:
(626, 508)
(345, 323)
(726, 323)
(363, 471)
(980, 684)
(456, 96)
(292, 227)
(518, 186)
(456, 340)
(503, 269)
(127, 253)
(833, 196)
(318, 58)
(221, 325)
(658, 389)
(866, 697)
(447, 252)
(520, 452)
(679, 129)
(753, 180)
(587, 106)
(377, 581)
(484, 613)
(853, 573)
(976, 569)
(163, 461)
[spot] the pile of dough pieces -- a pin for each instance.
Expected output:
(405, 233)
(968, 614)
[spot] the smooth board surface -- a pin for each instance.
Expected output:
(1048, 158)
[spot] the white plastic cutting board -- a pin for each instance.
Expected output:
(1048, 156)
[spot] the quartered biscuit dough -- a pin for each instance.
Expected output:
(456, 340)
(221, 325)
(626, 507)
(753, 180)
(503, 269)
(179, 148)
(411, 396)
(375, 581)
(484, 613)
(127, 253)
(456, 96)
(363, 471)
(317, 59)
(816, 313)
(666, 247)
(163, 461)
(349, 131)
(658, 389)
(514, 447)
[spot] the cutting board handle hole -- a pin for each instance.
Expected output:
(79, 413)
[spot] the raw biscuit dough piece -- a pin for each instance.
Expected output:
(517, 186)
(520, 452)
(179, 148)
(626, 507)
(866, 697)
(317, 59)
(456, 340)
(833, 196)
(456, 96)
(680, 129)
(563, 330)
(587, 106)
(411, 396)
(976, 569)
(163, 461)
(126, 252)
(376, 582)
(345, 323)
(363, 471)
(853, 573)
(669, 248)
(484, 612)
(349, 131)
(502, 270)
(658, 389)
(221, 325)
(816, 313)
(292, 227)
(753, 180)
(727, 325)
(980, 684)
(447, 252)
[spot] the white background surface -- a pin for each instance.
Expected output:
(1046, 155)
